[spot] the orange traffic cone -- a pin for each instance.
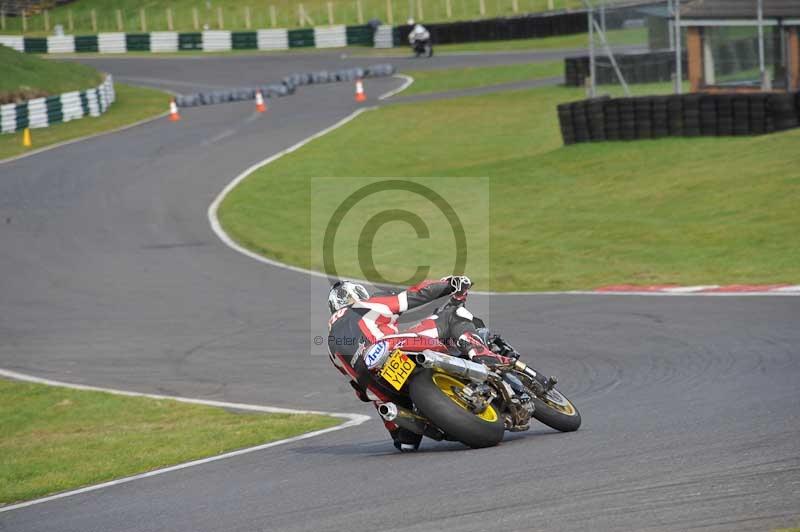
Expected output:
(173, 111)
(260, 105)
(361, 96)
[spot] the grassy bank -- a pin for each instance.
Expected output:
(233, 15)
(688, 211)
(27, 76)
(56, 439)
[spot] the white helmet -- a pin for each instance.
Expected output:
(410, 22)
(344, 293)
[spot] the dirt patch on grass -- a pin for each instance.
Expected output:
(21, 95)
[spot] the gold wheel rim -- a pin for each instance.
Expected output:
(556, 401)
(448, 386)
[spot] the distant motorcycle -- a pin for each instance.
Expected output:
(420, 40)
(446, 397)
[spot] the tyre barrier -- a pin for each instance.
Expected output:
(42, 112)
(500, 29)
(657, 66)
(285, 87)
(637, 67)
(680, 115)
(534, 25)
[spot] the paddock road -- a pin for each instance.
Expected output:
(111, 275)
(185, 74)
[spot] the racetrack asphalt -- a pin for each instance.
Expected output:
(110, 275)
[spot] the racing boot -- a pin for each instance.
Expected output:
(404, 440)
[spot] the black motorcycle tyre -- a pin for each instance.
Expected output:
(457, 422)
(566, 419)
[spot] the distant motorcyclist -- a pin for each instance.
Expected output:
(359, 322)
(420, 39)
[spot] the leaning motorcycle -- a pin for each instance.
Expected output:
(446, 397)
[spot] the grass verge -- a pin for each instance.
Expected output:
(56, 439)
(433, 81)
(233, 15)
(579, 41)
(687, 211)
(133, 104)
(428, 81)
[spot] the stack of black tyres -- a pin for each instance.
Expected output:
(612, 124)
(741, 116)
(783, 108)
(572, 72)
(649, 67)
(660, 117)
(580, 123)
(596, 117)
(797, 104)
(675, 115)
(691, 115)
(627, 119)
(643, 111)
(518, 27)
(287, 85)
(708, 115)
(565, 121)
(758, 114)
(724, 115)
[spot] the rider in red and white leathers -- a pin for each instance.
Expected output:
(359, 321)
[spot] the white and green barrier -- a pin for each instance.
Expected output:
(208, 41)
(41, 112)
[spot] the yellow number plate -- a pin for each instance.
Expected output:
(397, 369)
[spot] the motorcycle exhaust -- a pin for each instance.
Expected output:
(388, 411)
(455, 366)
(403, 418)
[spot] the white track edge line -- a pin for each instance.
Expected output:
(228, 241)
(408, 81)
(214, 207)
(352, 421)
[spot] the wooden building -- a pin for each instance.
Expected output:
(706, 21)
